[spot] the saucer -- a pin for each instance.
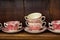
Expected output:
(13, 31)
(34, 31)
(54, 31)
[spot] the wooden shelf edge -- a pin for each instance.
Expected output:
(29, 36)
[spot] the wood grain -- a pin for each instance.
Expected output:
(17, 9)
(11, 10)
(55, 9)
(24, 35)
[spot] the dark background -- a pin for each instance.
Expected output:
(17, 9)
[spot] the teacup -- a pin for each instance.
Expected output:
(12, 26)
(55, 26)
(34, 21)
(35, 16)
(0, 26)
(35, 26)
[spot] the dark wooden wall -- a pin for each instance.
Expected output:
(41, 6)
(55, 9)
(17, 9)
(11, 10)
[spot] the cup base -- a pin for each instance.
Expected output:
(54, 31)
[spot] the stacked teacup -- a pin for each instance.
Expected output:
(35, 23)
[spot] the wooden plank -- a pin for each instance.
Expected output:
(24, 35)
(55, 9)
(11, 10)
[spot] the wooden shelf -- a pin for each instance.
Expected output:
(24, 35)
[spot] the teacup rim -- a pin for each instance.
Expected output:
(11, 21)
(34, 14)
(55, 21)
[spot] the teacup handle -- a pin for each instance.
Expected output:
(0, 26)
(43, 18)
(5, 24)
(20, 25)
(25, 17)
(26, 23)
(44, 24)
(50, 25)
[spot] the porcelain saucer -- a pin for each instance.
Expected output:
(13, 31)
(35, 31)
(54, 31)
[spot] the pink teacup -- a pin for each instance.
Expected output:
(12, 26)
(55, 26)
(0, 26)
(35, 26)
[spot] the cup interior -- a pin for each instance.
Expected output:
(34, 15)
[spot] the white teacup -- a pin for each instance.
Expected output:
(34, 20)
(35, 16)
